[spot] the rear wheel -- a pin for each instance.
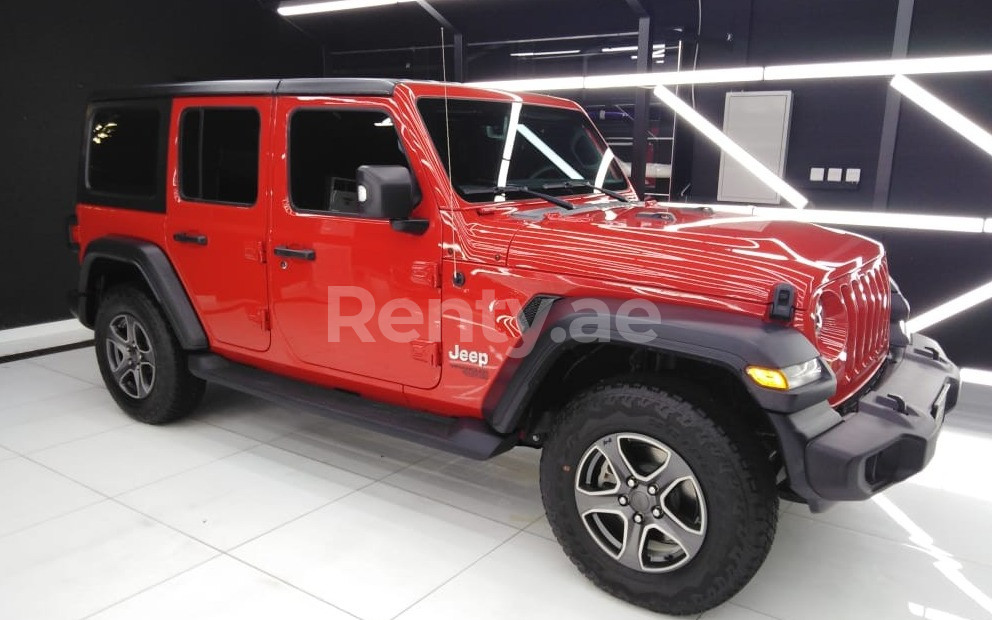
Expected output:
(140, 360)
(656, 501)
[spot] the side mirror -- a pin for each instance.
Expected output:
(390, 192)
(386, 192)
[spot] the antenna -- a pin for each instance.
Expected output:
(458, 278)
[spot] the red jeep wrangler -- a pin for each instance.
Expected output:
(470, 269)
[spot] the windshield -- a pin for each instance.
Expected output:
(498, 144)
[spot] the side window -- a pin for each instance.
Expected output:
(123, 151)
(218, 155)
(326, 147)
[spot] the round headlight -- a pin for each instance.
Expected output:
(816, 318)
(831, 337)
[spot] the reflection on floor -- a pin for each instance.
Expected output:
(251, 511)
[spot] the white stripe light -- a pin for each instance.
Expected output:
(511, 137)
(869, 68)
(549, 152)
(864, 68)
(673, 78)
(950, 308)
(534, 84)
(944, 113)
(551, 53)
(310, 8)
(731, 148)
(976, 376)
(868, 219)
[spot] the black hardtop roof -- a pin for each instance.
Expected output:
(372, 87)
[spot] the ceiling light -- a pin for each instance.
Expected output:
(672, 78)
(532, 84)
(976, 376)
(950, 308)
(988, 225)
(865, 68)
(950, 64)
(622, 48)
(630, 48)
(551, 53)
(944, 113)
(876, 219)
(308, 8)
(731, 148)
(869, 219)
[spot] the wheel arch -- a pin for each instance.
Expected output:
(112, 260)
(703, 346)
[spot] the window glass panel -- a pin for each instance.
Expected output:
(551, 146)
(218, 156)
(326, 147)
(123, 151)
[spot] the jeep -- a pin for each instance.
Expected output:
(472, 270)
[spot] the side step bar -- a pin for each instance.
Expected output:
(464, 436)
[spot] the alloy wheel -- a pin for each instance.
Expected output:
(641, 502)
(130, 356)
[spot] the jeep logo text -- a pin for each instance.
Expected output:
(459, 354)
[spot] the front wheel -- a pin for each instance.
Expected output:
(654, 500)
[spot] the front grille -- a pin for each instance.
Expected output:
(868, 298)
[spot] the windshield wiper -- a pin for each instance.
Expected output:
(571, 184)
(523, 190)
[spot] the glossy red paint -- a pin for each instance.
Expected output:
(505, 256)
(226, 277)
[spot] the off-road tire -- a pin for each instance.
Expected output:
(732, 470)
(174, 392)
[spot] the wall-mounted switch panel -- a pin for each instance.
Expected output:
(823, 177)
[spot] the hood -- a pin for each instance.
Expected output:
(688, 250)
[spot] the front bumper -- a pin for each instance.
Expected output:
(890, 436)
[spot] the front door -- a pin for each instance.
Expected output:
(349, 292)
(217, 214)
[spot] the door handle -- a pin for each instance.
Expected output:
(185, 237)
(287, 252)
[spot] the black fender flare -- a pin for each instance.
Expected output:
(156, 269)
(727, 339)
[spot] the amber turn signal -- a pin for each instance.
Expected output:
(768, 377)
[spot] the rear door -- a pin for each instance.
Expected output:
(217, 214)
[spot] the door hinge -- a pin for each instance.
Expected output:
(425, 351)
(255, 251)
(427, 273)
(261, 316)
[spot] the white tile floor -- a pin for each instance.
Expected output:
(250, 511)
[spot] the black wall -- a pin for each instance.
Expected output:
(838, 123)
(51, 55)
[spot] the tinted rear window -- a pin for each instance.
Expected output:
(123, 153)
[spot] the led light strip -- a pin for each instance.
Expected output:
(551, 53)
(976, 376)
(309, 8)
(731, 148)
(665, 78)
(868, 219)
(951, 307)
(828, 70)
(876, 68)
(943, 112)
